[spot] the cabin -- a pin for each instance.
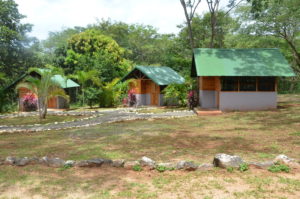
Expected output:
(149, 82)
(68, 85)
(238, 79)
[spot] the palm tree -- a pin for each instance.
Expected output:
(44, 88)
(84, 78)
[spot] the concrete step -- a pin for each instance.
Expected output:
(200, 111)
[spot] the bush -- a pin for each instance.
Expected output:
(137, 168)
(29, 102)
(163, 169)
(279, 168)
(92, 95)
(243, 167)
(230, 169)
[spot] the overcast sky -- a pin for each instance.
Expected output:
(53, 15)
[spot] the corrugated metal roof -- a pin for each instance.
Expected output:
(240, 62)
(65, 83)
(161, 75)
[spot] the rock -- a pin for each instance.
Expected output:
(224, 160)
(10, 160)
(147, 162)
(97, 162)
(118, 163)
(52, 162)
(188, 166)
(129, 165)
(283, 159)
(205, 166)
(22, 161)
(70, 163)
(261, 165)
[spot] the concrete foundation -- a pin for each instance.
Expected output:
(248, 100)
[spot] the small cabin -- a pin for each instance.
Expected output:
(238, 79)
(149, 82)
(58, 102)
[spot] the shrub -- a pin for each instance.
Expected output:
(243, 167)
(137, 167)
(192, 99)
(131, 97)
(279, 168)
(163, 168)
(230, 169)
(29, 102)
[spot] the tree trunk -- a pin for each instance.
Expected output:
(296, 54)
(188, 21)
(213, 29)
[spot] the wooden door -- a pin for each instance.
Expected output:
(155, 94)
(52, 102)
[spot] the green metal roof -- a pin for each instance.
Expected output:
(161, 75)
(240, 62)
(64, 83)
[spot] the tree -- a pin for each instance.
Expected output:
(44, 87)
(214, 6)
(87, 79)
(91, 50)
(189, 8)
(13, 39)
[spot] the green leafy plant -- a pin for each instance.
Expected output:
(163, 168)
(137, 167)
(243, 167)
(65, 167)
(230, 169)
(277, 167)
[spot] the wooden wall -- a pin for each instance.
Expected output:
(209, 83)
(146, 86)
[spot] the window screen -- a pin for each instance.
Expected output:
(247, 83)
(229, 83)
(266, 84)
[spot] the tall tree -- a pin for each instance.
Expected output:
(91, 50)
(13, 39)
(189, 8)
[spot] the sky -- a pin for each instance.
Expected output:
(54, 15)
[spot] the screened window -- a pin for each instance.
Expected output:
(247, 83)
(266, 84)
(229, 83)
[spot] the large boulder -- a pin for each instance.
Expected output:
(52, 162)
(147, 162)
(186, 165)
(223, 160)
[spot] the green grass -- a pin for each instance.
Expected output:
(35, 120)
(255, 136)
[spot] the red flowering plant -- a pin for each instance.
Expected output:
(131, 97)
(192, 99)
(29, 102)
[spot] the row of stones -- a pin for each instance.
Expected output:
(220, 160)
(15, 129)
(47, 124)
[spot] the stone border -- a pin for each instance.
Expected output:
(220, 160)
(132, 117)
(46, 124)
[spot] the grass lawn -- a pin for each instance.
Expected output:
(257, 135)
(35, 120)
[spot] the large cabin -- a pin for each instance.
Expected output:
(238, 79)
(149, 82)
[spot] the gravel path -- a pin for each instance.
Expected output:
(96, 118)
